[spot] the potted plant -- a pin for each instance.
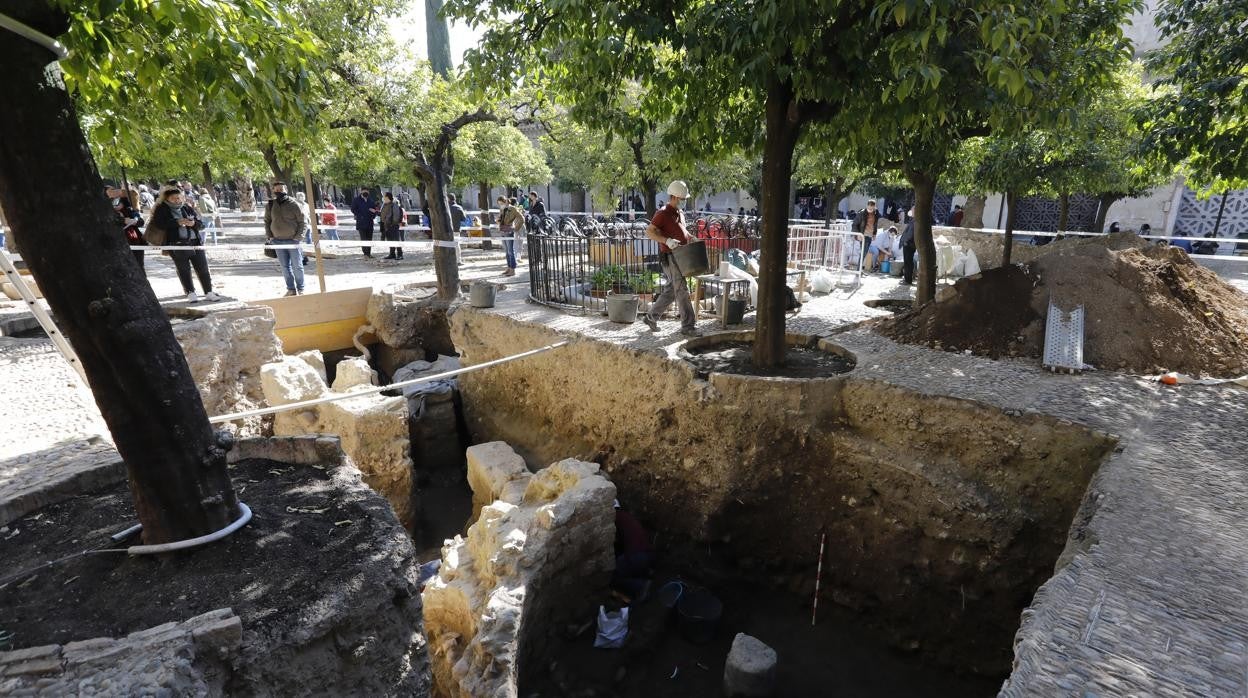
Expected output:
(645, 284)
(611, 278)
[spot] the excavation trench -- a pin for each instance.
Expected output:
(941, 516)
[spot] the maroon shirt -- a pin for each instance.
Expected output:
(630, 537)
(670, 224)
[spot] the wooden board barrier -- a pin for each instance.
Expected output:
(324, 321)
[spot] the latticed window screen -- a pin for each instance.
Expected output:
(1198, 218)
(1040, 213)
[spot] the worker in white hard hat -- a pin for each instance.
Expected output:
(668, 229)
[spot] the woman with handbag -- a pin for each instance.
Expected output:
(176, 224)
(125, 204)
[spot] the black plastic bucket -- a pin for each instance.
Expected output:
(735, 312)
(698, 613)
(669, 595)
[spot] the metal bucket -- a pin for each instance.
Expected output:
(622, 307)
(481, 294)
(895, 268)
(691, 259)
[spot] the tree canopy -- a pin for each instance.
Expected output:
(1199, 111)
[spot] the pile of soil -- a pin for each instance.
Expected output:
(737, 358)
(1147, 309)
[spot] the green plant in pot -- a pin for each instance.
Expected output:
(645, 283)
(611, 278)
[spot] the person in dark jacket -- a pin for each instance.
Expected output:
(181, 227)
(908, 248)
(457, 213)
(537, 211)
(392, 225)
(131, 222)
(285, 220)
(364, 209)
(867, 222)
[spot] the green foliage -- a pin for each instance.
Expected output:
(498, 153)
(218, 62)
(1199, 114)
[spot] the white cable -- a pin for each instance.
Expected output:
(29, 32)
(382, 388)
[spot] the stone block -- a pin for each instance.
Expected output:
(412, 320)
(351, 372)
(316, 360)
(750, 669)
(99, 649)
(491, 467)
(291, 380)
(221, 634)
(225, 350)
(22, 655)
(47, 665)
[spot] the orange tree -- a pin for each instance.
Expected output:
(720, 70)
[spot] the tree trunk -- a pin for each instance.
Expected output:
(445, 263)
(1063, 212)
(483, 202)
(782, 131)
(1102, 210)
(280, 173)
(973, 211)
(651, 188)
(206, 170)
(246, 193)
(924, 191)
(438, 39)
(578, 200)
(1007, 252)
(103, 303)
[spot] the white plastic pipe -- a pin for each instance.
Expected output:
(241, 521)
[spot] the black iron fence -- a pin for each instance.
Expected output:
(575, 262)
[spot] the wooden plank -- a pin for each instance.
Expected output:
(317, 308)
(325, 336)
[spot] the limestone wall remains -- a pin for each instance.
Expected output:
(225, 351)
(535, 554)
(373, 428)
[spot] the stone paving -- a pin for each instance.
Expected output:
(1151, 597)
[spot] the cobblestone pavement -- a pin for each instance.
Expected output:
(1154, 600)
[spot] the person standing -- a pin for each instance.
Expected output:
(131, 222)
(146, 200)
(457, 213)
(329, 219)
(364, 209)
(208, 209)
(392, 225)
(179, 225)
(908, 248)
(537, 211)
(668, 229)
(510, 222)
(284, 225)
(867, 223)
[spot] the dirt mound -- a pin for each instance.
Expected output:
(1146, 309)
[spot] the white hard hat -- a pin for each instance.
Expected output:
(678, 189)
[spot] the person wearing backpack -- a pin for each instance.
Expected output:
(510, 222)
(392, 225)
(174, 223)
(284, 224)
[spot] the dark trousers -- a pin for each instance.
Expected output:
(907, 264)
(395, 234)
(138, 257)
(183, 261)
(366, 235)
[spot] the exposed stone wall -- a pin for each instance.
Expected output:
(225, 351)
(187, 658)
(524, 566)
(928, 502)
(411, 319)
(373, 428)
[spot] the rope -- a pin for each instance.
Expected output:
(379, 389)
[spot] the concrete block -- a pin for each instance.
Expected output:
(22, 655)
(750, 669)
(47, 665)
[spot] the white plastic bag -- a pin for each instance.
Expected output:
(822, 281)
(612, 628)
(972, 263)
